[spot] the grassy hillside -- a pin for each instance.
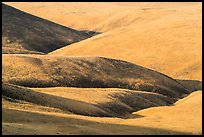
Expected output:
(186, 115)
(148, 34)
(25, 33)
(113, 102)
(175, 51)
(102, 68)
(159, 120)
(98, 72)
(113, 15)
(167, 39)
(67, 105)
(51, 124)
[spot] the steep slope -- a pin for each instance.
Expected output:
(116, 102)
(174, 49)
(87, 88)
(68, 105)
(25, 33)
(185, 115)
(148, 34)
(52, 71)
(191, 85)
(183, 118)
(164, 38)
(111, 102)
(82, 15)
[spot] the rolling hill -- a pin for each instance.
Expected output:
(176, 52)
(169, 120)
(102, 68)
(165, 39)
(111, 102)
(86, 72)
(25, 33)
(148, 34)
(82, 15)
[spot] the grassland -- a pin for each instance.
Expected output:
(34, 35)
(141, 75)
(86, 72)
(153, 120)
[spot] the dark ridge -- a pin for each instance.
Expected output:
(191, 85)
(122, 104)
(131, 101)
(36, 34)
(70, 105)
(95, 73)
(131, 64)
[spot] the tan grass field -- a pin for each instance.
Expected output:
(148, 34)
(102, 68)
(36, 35)
(80, 15)
(86, 72)
(162, 48)
(183, 118)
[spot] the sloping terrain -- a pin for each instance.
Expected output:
(52, 124)
(186, 115)
(82, 15)
(148, 34)
(25, 33)
(168, 40)
(69, 105)
(191, 85)
(157, 121)
(86, 72)
(117, 102)
(175, 51)
(135, 77)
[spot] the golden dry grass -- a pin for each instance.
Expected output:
(88, 101)
(82, 15)
(87, 88)
(34, 34)
(13, 92)
(86, 72)
(120, 101)
(165, 38)
(89, 95)
(57, 124)
(186, 115)
(175, 51)
(179, 119)
(148, 34)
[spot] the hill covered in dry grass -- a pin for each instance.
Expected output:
(86, 72)
(165, 38)
(183, 118)
(136, 77)
(25, 33)
(80, 15)
(111, 102)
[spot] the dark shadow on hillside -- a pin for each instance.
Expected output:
(126, 103)
(91, 33)
(94, 72)
(83, 126)
(122, 106)
(191, 85)
(86, 82)
(65, 104)
(35, 34)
